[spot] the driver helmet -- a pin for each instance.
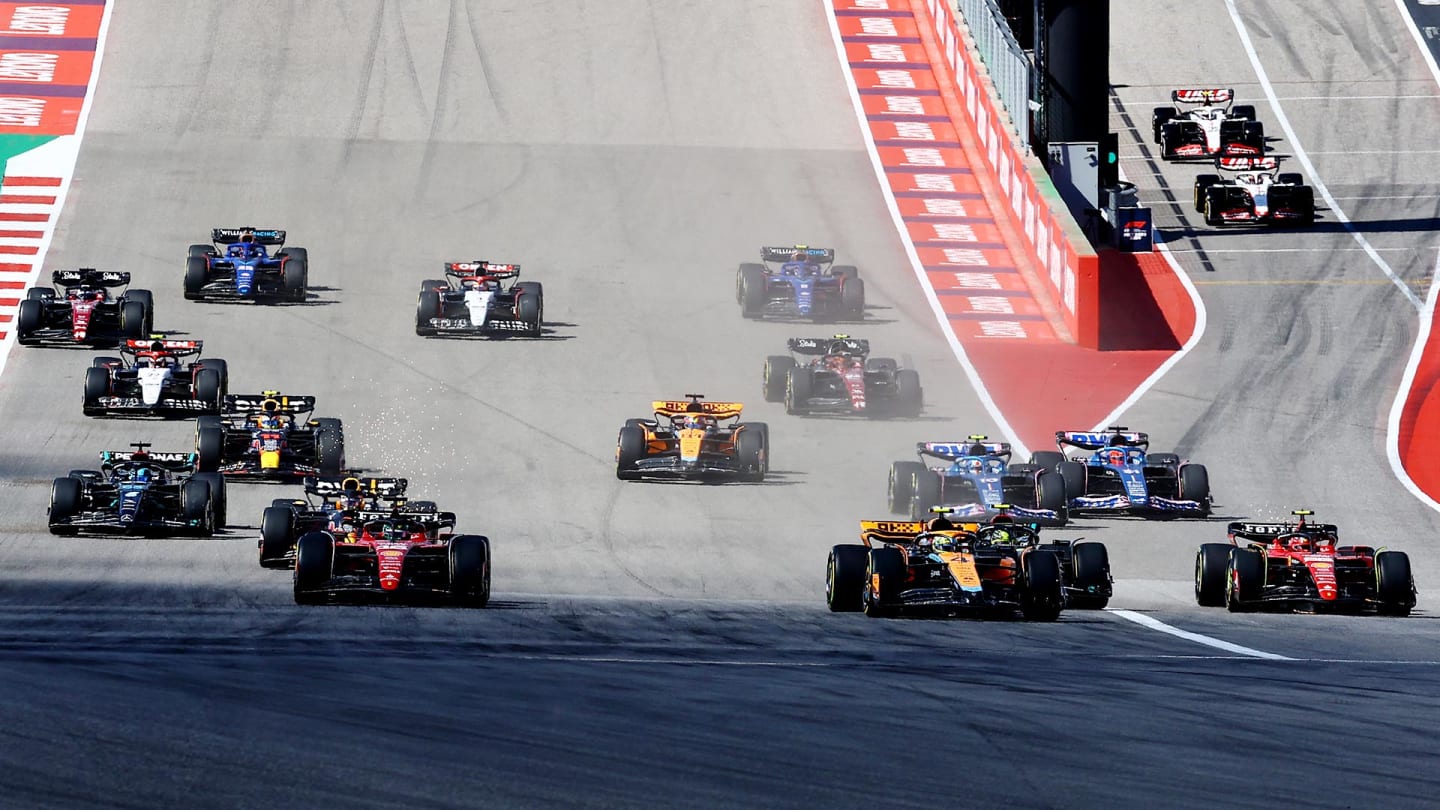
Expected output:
(268, 421)
(975, 466)
(394, 531)
(994, 466)
(1299, 542)
(143, 475)
(1001, 537)
(943, 542)
(797, 256)
(1115, 457)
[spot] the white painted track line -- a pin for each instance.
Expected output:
(1219, 644)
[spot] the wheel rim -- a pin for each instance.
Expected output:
(830, 580)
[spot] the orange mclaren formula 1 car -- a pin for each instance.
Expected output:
(981, 569)
(695, 439)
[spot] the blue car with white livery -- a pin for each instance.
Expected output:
(139, 492)
(976, 479)
(238, 265)
(1114, 471)
(807, 284)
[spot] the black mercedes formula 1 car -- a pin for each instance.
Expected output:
(139, 492)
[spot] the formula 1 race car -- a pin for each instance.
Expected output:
(1301, 566)
(943, 567)
(473, 300)
(977, 480)
(1207, 130)
(1123, 476)
(138, 492)
(1257, 193)
(406, 552)
(841, 379)
(330, 502)
(807, 285)
(246, 270)
(257, 436)
(148, 379)
(688, 440)
(80, 309)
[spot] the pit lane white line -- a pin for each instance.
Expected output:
(1299, 250)
(1219, 644)
(1380, 152)
(1304, 159)
(1419, 39)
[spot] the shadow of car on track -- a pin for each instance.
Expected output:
(548, 332)
(773, 478)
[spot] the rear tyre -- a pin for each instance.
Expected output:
(1212, 208)
(1289, 179)
(39, 294)
(750, 452)
(797, 389)
(630, 447)
(909, 396)
(195, 506)
(885, 577)
(1050, 494)
(197, 273)
(30, 317)
(97, 385)
(207, 388)
(530, 305)
(427, 308)
(133, 319)
(882, 364)
(1043, 597)
(1159, 117)
(1394, 583)
(277, 529)
(1303, 199)
(146, 299)
(847, 271)
(1074, 474)
(1195, 486)
(852, 297)
(219, 502)
(470, 570)
(1049, 459)
(903, 475)
(209, 443)
(751, 290)
(1091, 574)
(845, 578)
(1171, 460)
(777, 366)
(295, 277)
(329, 450)
(1245, 579)
(65, 500)
(1212, 562)
(314, 561)
(929, 490)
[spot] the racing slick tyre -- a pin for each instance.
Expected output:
(750, 289)
(195, 506)
(65, 500)
(1074, 474)
(903, 475)
(909, 396)
(1244, 579)
(750, 451)
(1303, 199)
(1050, 494)
(530, 305)
(39, 294)
(314, 560)
(146, 299)
(777, 366)
(882, 364)
(845, 578)
(434, 284)
(1159, 117)
(630, 447)
(1244, 112)
(133, 319)
(207, 388)
(295, 275)
(219, 502)
(329, 450)
(797, 389)
(845, 271)
(1043, 596)
(1394, 583)
(428, 307)
(852, 298)
(220, 367)
(97, 385)
(1211, 209)
(470, 570)
(884, 577)
(928, 492)
(30, 317)
(1212, 563)
(209, 443)
(1091, 564)
(276, 536)
(1195, 486)
(1049, 459)
(197, 273)
(1203, 182)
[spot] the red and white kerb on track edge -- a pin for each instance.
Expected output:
(49, 62)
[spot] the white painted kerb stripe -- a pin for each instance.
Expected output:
(1219, 644)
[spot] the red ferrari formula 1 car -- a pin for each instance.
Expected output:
(1301, 566)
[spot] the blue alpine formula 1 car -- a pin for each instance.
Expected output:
(807, 284)
(1116, 472)
(976, 480)
(245, 269)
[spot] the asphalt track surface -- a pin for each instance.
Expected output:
(667, 645)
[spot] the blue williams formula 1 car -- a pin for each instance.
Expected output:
(975, 478)
(806, 285)
(1121, 475)
(246, 270)
(139, 492)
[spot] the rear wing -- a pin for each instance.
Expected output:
(901, 532)
(1247, 164)
(719, 410)
(263, 236)
(177, 348)
(480, 267)
(1115, 437)
(1263, 532)
(950, 451)
(89, 275)
(177, 462)
(1202, 96)
(428, 517)
(783, 254)
(830, 345)
(333, 486)
(255, 403)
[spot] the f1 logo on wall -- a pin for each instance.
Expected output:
(1139, 230)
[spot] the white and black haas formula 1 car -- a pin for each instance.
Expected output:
(838, 376)
(81, 310)
(259, 437)
(1207, 130)
(138, 492)
(1257, 193)
(474, 299)
(149, 379)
